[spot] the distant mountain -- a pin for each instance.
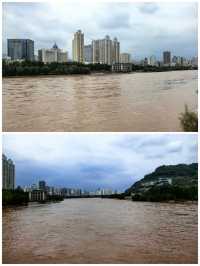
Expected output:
(167, 182)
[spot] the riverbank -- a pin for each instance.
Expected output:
(18, 197)
(22, 69)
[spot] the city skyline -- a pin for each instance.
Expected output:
(129, 22)
(93, 161)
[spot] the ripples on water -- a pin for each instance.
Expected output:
(100, 231)
(121, 102)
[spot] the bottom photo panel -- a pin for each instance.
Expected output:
(99, 198)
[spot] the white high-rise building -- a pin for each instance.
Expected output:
(105, 55)
(125, 58)
(105, 51)
(152, 60)
(78, 47)
(52, 55)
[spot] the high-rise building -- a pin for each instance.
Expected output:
(125, 58)
(20, 49)
(152, 60)
(78, 47)
(166, 58)
(52, 55)
(96, 51)
(103, 51)
(115, 51)
(88, 53)
(8, 173)
(106, 51)
(42, 185)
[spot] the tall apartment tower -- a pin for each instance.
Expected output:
(78, 47)
(88, 53)
(166, 58)
(8, 173)
(106, 51)
(115, 51)
(20, 49)
(96, 51)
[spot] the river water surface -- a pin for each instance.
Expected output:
(117, 102)
(100, 231)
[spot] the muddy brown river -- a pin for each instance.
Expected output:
(101, 231)
(112, 102)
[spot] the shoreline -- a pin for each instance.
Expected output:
(47, 202)
(94, 74)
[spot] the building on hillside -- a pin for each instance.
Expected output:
(164, 181)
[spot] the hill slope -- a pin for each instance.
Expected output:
(167, 182)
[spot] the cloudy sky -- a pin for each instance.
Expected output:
(90, 161)
(142, 28)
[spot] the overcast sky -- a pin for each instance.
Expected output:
(91, 161)
(142, 28)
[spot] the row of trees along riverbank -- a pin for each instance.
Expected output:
(27, 68)
(19, 197)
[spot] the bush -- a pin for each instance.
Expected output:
(189, 120)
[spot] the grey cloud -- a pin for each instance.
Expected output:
(90, 161)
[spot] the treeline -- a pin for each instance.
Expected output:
(167, 193)
(148, 68)
(27, 68)
(14, 197)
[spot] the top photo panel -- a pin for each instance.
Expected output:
(100, 66)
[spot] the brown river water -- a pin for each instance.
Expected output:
(99, 102)
(101, 231)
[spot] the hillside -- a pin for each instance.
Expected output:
(167, 182)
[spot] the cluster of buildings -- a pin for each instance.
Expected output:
(169, 60)
(101, 51)
(40, 192)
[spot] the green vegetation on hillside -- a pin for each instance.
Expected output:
(171, 182)
(166, 193)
